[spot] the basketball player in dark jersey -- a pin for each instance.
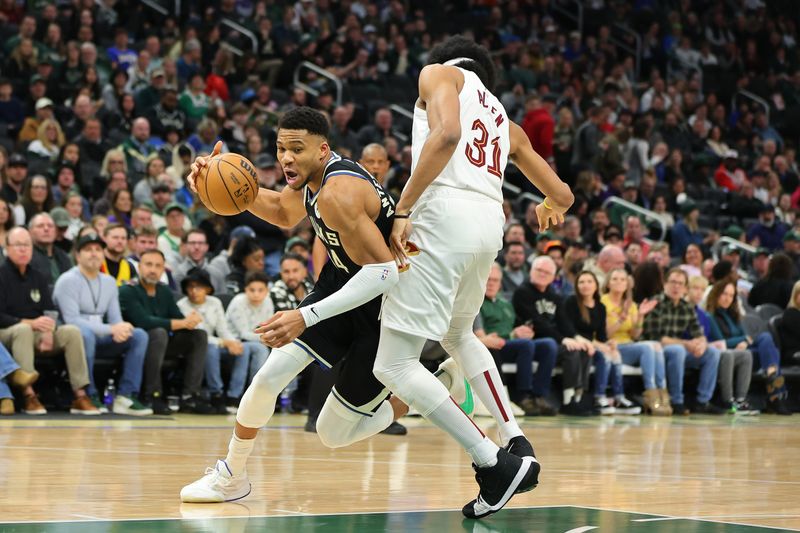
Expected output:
(338, 322)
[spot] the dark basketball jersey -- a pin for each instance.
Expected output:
(345, 267)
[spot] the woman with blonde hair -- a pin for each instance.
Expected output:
(113, 161)
(49, 140)
(624, 320)
(789, 329)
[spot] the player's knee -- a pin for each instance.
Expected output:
(332, 432)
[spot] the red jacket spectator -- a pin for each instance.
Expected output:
(727, 175)
(539, 126)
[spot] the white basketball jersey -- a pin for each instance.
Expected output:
(479, 161)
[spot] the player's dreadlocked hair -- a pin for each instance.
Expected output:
(457, 46)
(305, 118)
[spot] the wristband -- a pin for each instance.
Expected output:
(544, 203)
(407, 215)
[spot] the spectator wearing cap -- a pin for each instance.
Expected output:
(16, 172)
(758, 265)
(169, 240)
(556, 250)
(791, 247)
(30, 128)
(687, 230)
(114, 264)
(149, 95)
(88, 299)
(150, 305)
(48, 259)
(28, 330)
(195, 244)
(539, 125)
(767, 232)
(138, 149)
(728, 175)
(222, 343)
(166, 113)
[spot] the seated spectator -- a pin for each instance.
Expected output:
(668, 323)
(635, 232)
(253, 306)
(117, 181)
(89, 299)
(143, 191)
(48, 259)
(494, 327)
(121, 206)
(28, 327)
(687, 230)
(537, 304)
(767, 232)
(693, 260)
(144, 239)
(729, 176)
(587, 315)
(196, 246)
(196, 286)
(776, 287)
(11, 375)
(150, 305)
(247, 256)
(169, 240)
(114, 262)
(76, 218)
(293, 285)
(15, 180)
(624, 320)
(48, 142)
(142, 216)
(161, 198)
(726, 324)
(515, 270)
(138, 150)
(37, 197)
(789, 329)
(633, 255)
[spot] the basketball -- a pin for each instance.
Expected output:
(228, 185)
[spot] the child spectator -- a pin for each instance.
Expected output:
(221, 341)
(247, 309)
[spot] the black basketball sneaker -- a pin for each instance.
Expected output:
(500, 482)
(521, 447)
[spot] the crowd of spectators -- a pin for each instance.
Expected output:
(104, 105)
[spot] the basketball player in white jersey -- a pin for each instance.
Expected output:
(451, 209)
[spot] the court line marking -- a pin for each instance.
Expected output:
(674, 517)
(378, 461)
(295, 513)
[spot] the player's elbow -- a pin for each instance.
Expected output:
(564, 197)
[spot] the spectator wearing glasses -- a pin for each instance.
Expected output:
(669, 323)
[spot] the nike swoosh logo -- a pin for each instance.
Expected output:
(315, 313)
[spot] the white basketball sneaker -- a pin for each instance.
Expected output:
(451, 376)
(218, 485)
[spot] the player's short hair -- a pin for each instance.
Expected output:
(458, 46)
(305, 118)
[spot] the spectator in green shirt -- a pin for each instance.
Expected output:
(494, 327)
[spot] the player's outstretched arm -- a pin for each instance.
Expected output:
(344, 205)
(558, 197)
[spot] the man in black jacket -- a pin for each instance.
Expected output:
(26, 329)
(538, 305)
(50, 260)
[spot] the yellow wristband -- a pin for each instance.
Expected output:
(544, 203)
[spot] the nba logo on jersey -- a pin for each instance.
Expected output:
(385, 274)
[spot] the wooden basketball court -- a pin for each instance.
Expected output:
(694, 474)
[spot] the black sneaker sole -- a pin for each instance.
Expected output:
(529, 482)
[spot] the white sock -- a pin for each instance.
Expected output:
(239, 451)
(489, 388)
(450, 418)
(568, 394)
(578, 395)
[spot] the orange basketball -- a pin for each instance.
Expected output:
(228, 185)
